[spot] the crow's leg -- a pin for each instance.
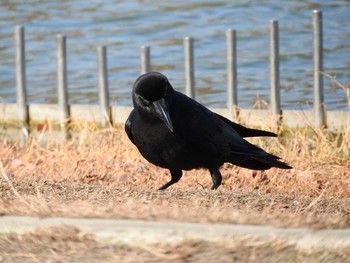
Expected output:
(216, 177)
(175, 177)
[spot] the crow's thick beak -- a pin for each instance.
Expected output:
(163, 113)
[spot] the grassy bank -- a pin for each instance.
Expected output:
(99, 173)
(321, 162)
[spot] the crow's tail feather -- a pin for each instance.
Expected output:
(261, 162)
(273, 161)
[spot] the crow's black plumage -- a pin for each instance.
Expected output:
(175, 132)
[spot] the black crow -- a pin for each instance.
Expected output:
(175, 132)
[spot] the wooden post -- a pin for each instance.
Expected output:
(23, 113)
(275, 100)
(145, 59)
(103, 86)
(319, 107)
(232, 98)
(189, 67)
(62, 88)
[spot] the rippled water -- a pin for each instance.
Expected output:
(126, 25)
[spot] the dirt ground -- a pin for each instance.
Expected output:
(198, 205)
(103, 176)
(23, 197)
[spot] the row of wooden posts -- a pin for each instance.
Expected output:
(232, 96)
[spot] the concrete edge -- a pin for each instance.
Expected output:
(119, 114)
(138, 232)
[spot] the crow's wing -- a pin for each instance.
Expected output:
(246, 132)
(207, 131)
(204, 129)
(128, 124)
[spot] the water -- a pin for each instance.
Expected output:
(124, 26)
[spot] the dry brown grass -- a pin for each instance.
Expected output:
(106, 157)
(99, 173)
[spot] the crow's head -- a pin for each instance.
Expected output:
(153, 95)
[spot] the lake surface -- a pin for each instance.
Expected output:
(124, 26)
